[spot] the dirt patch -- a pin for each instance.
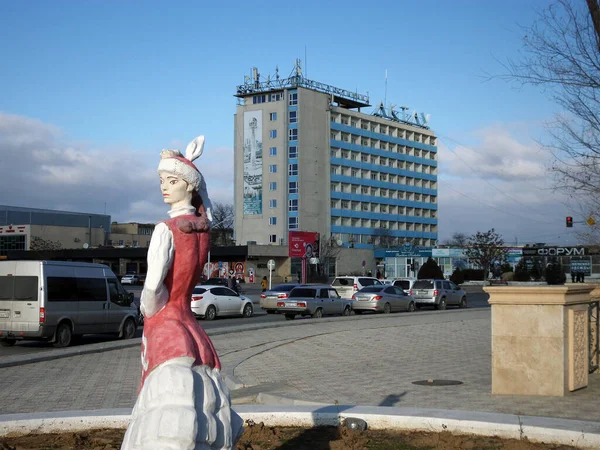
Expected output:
(261, 437)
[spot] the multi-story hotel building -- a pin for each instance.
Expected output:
(308, 159)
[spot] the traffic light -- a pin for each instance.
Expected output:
(569, 222)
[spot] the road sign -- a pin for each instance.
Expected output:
(591, 221)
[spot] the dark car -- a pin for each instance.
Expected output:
(216, 281)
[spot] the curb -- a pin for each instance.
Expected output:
(585, 435)
(30, 358)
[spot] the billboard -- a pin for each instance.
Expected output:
(253, 154)
(303, 244)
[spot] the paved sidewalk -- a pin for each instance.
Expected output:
(368, 361)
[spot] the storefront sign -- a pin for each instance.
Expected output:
(554, 251)
(581, 265)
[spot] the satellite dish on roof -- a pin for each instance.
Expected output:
(86, 245)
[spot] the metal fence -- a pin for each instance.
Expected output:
(593, 310)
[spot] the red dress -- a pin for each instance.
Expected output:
(174, 332)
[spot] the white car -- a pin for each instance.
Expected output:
(130, 279)
(210, 301)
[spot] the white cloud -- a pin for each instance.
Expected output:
(500, 180)
(43, 168)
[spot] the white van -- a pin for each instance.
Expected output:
(57, 301)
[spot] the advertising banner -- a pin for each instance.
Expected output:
(582, 265)
(253, 154)
(303, 244)
(223, 269)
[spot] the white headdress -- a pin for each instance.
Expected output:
(174, 162)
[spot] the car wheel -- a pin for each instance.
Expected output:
(290, 316)
(210, 313)
(8, 342)
(463, 302)
(346, 311)
(318, 314)
(387, 308)
(248, 310)
(63, 336)
(442, 305)
(411, 307)
(129, 329)
(358, 311)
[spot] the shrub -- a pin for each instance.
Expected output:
(473, 274)
(555, 274)
(508, 276)
(521, 272)
(430, 270)
(457, 276)
(506, 267)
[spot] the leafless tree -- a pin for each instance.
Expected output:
(459, 239)
(328, 253)
(562, 56)
(222, 228)
(486, 248)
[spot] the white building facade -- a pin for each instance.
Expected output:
(307, 159)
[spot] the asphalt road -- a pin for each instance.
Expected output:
(477, 299)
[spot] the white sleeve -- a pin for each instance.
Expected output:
(160, 258)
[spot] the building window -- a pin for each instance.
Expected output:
(273, 134)
(293, 223)
(293, 187)
(272, 203)
(272, 238)
(293, 152)
(293, 205)
(273, 116)
(294, 99)
(275, 97)
(293, 169)
(259, 99)
(273, 168)
(293, 134)
(273, 186)
(273, 151)
(293, 116)
(272, 220)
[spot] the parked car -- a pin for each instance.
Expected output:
(348, 285)
(315, 301)
(385, 299)
(268, 299)
(405, 284)
(438, 293)
(130, 279)
(209, 302)
(216, 282)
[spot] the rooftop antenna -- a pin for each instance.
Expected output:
(277, 72)
(385, 92)
(305, 62)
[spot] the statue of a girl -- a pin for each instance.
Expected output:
(183, 402)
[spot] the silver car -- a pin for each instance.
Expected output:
(385, 299)
(269, 299)
(315, 301)
(438, 293)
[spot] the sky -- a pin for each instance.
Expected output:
(91, 92)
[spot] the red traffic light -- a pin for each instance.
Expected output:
(569, 221)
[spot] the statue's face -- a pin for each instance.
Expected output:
(174, 189)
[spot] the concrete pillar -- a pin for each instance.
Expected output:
(540, 343)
